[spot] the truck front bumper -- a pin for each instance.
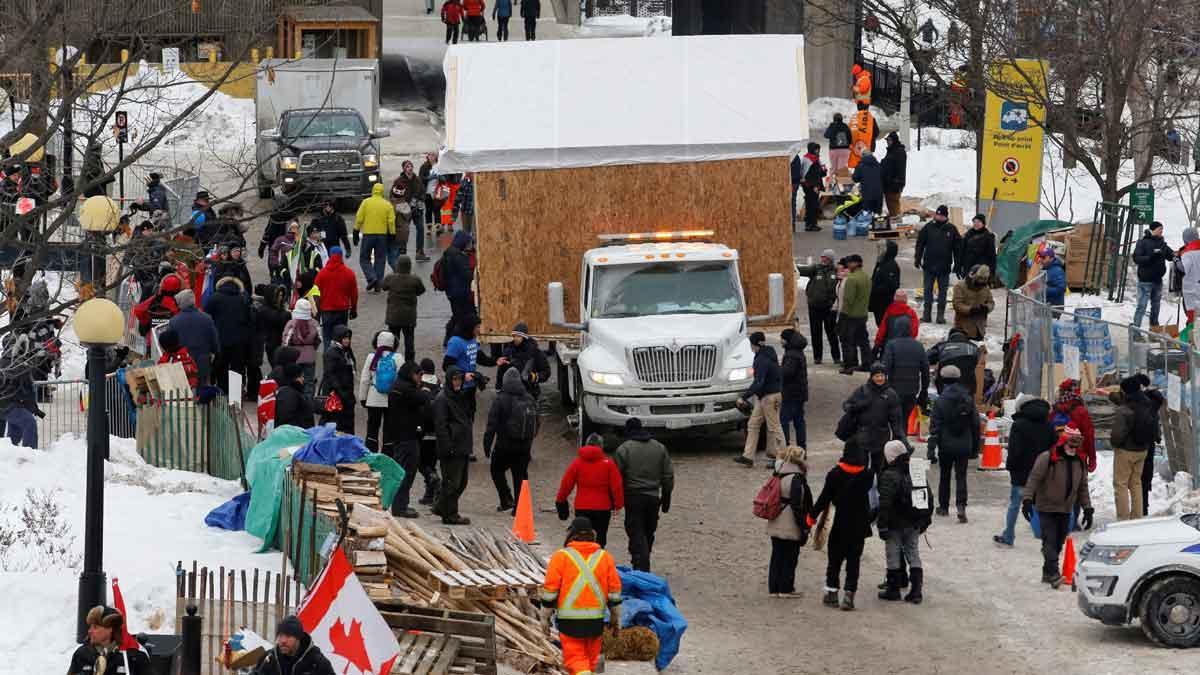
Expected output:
(330, 185)
(666, 412)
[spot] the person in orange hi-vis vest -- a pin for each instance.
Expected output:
(445, 193)
(581, 582)
(863, 134)
(861, 89)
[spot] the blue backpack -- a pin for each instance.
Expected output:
(385, 372)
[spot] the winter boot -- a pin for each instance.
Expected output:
(892, 590)
(917, 575)
(941, 316)
(962, 514)
(848, 601)
(432, 483)
(942, 511)
(927, 316)
(830, 599)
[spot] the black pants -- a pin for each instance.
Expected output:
(410, 351)
(824, 319)
(781, 573)
(530, 28)
(460, 308)
(600, 520)
(502, 28)
(253, 374)
(474, 28)
(344, 420)
(451, 33)
(856, 349)
(641, 522)
(812, 207)
(1055, 528)
(875, 206)
(907, 403)
(408, 455)
(231, 357)
(374, 426)
(514, 460)
(959, 466)
(454, 483)
(848, 550)
(1147, 476)
(427, 465)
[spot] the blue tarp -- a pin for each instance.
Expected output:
(325, 446)
(231, 515)
(646, 601)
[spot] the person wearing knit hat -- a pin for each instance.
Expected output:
(821, 293)
(379, 372)
(767, 391)
(1151, 256)
(581, 615)
(875, 408)
(428, 467)
(648, 479)
(292, 405)
(173, 351)
(954, 440)
(525, 355)
(198, 333)
(938, 244)
(893, 171)
(1069, 407)
(1133, 436)
(294, 652)
(900, 526)
(101, 653)
(978, 248)
(1057, 485)
(973, 302)
(846, 487)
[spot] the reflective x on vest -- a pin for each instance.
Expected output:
(586, 578)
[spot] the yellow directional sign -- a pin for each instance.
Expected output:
(1013, 134)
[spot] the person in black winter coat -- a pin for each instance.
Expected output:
(766, 387)
(794, 372)
(291, 405)
(531, 10)
(527, 358)
(270, 317)
(876, 409)
(978, 247)
(937, 244)
(457, 276)
(1151, 255)
(893, 170)
(957, 351)
(846, 488)
(234, 318)
(839, 137)
(900, 527)
(869, 177)
(452, 424)
(821, 293)
(340, 376)
(907, 368)
(807, 176)
(408, 405)
(294, 653)
(885, 281)
(333, 228)
(429, 457)
(1031, 434)
(1156, 403)
(509, 453)
(953, 440)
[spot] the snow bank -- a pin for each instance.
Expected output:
(1166, 496)
(153, 519)
(821, 110)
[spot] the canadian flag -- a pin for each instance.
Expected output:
(344, 623)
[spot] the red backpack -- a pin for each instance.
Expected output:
(769, 501)
(438, 276)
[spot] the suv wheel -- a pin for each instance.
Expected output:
(1170, 611)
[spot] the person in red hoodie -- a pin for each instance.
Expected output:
(596, 481)
(452, 12)
(160, 306)
(175, 352)
(474, 10)
(898, 308)
(1070, 408)
(339, 294)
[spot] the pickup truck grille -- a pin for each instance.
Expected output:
(329, 160)
(662, 365)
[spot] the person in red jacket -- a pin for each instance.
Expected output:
(175, 352)
(160, 306)
(898, 308)
(1071, 407)
(596, 481)
(474, 20)
(339, 294)
(452, 12)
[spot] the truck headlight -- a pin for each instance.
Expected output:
(739, 374)
(371, 161)
(1110, 555)
(609, 379)
(289, 163)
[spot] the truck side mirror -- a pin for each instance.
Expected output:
(554, 300)
(774, 300)
(270, 135)
(380, 133)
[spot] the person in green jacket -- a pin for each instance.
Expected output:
(821, 292)
(376, 222)
(856, 295)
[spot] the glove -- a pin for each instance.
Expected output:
(883, 533)
(665, 506)
(564, 511)
(262, 250)
(353, 314)
(1086, 523)
(357, 237)
(1027, 509)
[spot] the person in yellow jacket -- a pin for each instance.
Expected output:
(376, 222)
(581, 581)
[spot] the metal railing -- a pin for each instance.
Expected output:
(65, 403)
(642, 8)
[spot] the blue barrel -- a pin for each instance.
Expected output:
(839, 231)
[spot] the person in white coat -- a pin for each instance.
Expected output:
(1187, 261)
(379, 372)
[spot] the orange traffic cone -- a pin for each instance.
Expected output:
(523, 522)
(1068, 570)
(993, 454)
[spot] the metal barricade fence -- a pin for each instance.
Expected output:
(65, 403)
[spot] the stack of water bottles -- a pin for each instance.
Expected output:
(1091, 338)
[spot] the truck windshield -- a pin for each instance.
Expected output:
(665, 288)
(324, 124)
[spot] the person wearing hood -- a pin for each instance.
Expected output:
(173, 351)
(403, 288)
(875, 407)
(958, 351)
(937, 244)
(885, 282)
(953, 440)
(303, 333)
(838, 135)
(339, 293)
(1057, 484)
(457, 275)
(973, 302)
(283, 356)
(408, 191)
(511, 427)
(197, 332)
(159, 307)
(233, 264)
(1031, 435)
(1133, 437)
(1151, 256)
(524, 355)
(338, 376)
(231, 313)
(376, 223)
(408, 407)
(907, 368)
(893, 171)
(978, 247)
(856, 295)
(292, 404)
(1070, 408)
(794, 374)
(101, 653)
(1157, 402)
(581, 582)
(596, 482)
(294, 653)
(431, 387)
(379, 374)
(156, 196)
(899, 527)
(889, 328)
(284, 255)
(452, 422)
(788, 530)
(463, 352)
(648, 479)
(333, 227)
(846, 487)
(808, 175)
(821, 294)
(870, 182)
(1056, 276)
(1187, 263)
(270, 318)
(766, 389)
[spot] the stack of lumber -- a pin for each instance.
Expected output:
(354, 484)
(413, 555)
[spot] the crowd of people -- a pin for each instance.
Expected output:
(469, 18)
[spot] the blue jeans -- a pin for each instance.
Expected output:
(791, 412)
(377, 244)
(1010, 518)
(22, 427)
(1148, 291)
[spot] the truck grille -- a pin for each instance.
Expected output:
(329, 160)
(661, 365)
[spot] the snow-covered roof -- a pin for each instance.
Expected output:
(576, 103)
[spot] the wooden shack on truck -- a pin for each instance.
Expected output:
(568, 140)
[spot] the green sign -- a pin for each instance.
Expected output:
(1141, 200)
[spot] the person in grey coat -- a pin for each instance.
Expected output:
(953, 440)
(403, 288)
(648, 479)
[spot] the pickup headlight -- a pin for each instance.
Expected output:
(1110, 555)
(371, 161)
(740, 374)
(289, 163)
(608, 379)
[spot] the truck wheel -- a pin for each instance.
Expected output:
(1170, 612)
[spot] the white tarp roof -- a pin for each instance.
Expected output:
(576, 103)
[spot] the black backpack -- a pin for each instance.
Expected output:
(523, 422)
(961, 416)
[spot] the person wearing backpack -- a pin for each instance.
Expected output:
(1031, 434)
(789, 528)
(846, 488)
(648, 478)
(408, 407)
(596, 482)
(1069, 407)
(375, 383)
(1133, 434)
(901, 523)
(838, 135)
(954, 440)
(1057, 485)
(428, 466)
(508, 440)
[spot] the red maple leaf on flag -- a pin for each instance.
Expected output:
(350, 645)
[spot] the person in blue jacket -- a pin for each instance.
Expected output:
(463, 353)
(1056, 277)
(502, 12)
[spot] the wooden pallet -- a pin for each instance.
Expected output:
(426, 654)
(475, 632)
(897, 232)
(494, 584)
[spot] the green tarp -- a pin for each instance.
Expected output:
(1012, 250)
